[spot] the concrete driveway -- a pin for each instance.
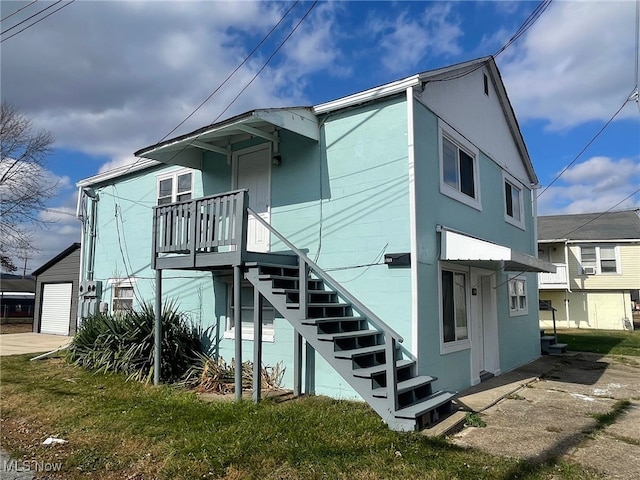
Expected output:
(545, 412)
(20, 343)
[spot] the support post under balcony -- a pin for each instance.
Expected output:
(297, 364)
(157, 361)
(309, 370)
(237, 323)
(257, 345)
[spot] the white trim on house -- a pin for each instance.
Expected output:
(375, 93)
(413, 233)
(140, 164)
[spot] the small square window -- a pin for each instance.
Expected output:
(246, 315)
(122, 298)
(518, 304)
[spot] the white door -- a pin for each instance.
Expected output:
(56, 308)
(253, 172)
(484, 355)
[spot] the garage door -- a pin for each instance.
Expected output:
(56, 308)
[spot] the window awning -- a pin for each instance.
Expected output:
(472, 251)
(219, 138)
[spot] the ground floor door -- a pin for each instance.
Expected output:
(252, 170)
(485, 357)
(55, 311)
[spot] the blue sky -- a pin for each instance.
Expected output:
(108, 78)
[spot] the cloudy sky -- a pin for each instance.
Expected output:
(107, 78)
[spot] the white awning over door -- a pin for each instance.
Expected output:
(472, 251)
(55, 313)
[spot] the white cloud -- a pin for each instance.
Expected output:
(574, 65)
(408, 39)
(596, 185)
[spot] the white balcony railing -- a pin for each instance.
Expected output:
(560, 279)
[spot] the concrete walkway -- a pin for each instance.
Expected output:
(545, 411)
(20, 343)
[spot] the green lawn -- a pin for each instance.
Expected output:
(117, 429)
(614, 342)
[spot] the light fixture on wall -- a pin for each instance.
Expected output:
(276, 160)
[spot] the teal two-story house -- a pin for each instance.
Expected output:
(381, 246)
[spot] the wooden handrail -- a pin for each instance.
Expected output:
(375, 320)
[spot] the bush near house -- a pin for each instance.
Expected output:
(124, 343)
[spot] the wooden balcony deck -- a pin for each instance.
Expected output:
(208, 233)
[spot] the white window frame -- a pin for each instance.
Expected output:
(268, 331)
(173, 176)
(462, 144)
(597, 248)
(116, 283)
(515, 184)
(456, 345)
(518, 310)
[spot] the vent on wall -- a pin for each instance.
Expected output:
(589, 270)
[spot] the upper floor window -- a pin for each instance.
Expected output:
(175, 187)
(459, 168)
(513, 201)
(518, 304)
(599, 259)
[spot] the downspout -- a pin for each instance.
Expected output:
(80, 216)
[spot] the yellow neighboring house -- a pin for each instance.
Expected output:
(597, 259)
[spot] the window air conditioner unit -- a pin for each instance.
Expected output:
(589, 270)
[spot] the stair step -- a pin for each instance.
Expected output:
(321, 320)
(329, 337)
(405, 386)
(557, 348)
(350, 354)
(548, 338)
(286, 291)
(432, 402)
(378, 369)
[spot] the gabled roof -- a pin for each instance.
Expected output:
(68, 251)
(304, 121)
(622, 225)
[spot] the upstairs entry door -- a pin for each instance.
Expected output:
(252, 167)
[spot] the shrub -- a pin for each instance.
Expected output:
(124, 343)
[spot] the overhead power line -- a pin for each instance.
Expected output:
(248, 84)
(589, 143)
(29, 18)
(37, 21)
(19, 10)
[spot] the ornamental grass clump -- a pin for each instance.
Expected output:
(124, 343)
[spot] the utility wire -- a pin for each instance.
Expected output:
(29, 18)
(19, 10)
(589, 143)
(246, 59)
(139, 159)
(37, 21)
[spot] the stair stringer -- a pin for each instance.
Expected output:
(383, 406)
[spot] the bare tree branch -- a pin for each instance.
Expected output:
(25, 184)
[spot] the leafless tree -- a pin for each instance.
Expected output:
(25, 184)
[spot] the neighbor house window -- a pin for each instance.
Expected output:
(175, 187)
(459, 168)
(455, 329)
(518, 304)
(246, 315)
(599, 259)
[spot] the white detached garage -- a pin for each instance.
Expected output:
(56, 305)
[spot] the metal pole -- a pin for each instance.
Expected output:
(158, 330)
(257, 345)
(309, 370)
(237, 323)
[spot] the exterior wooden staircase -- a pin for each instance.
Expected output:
(364, 350)
(210, 233)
